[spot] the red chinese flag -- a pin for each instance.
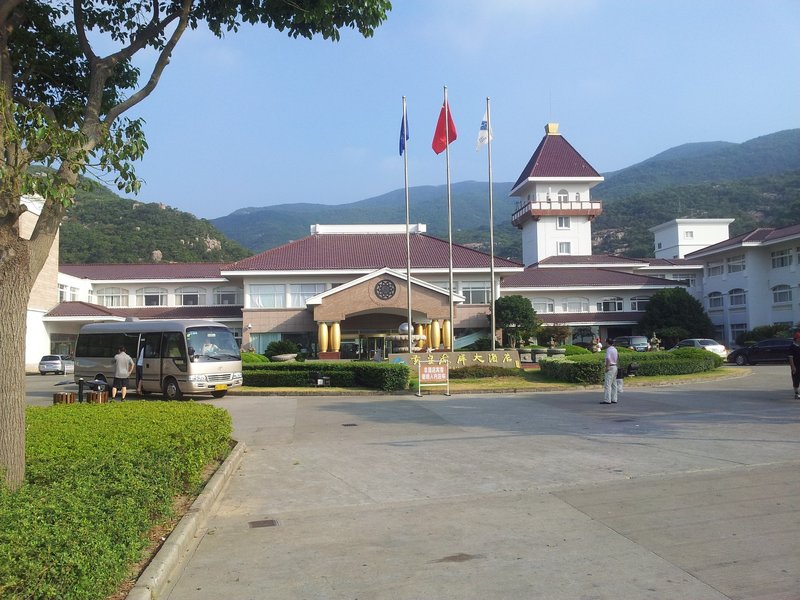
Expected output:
(440, 136)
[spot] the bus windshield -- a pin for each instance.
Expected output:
(211, 343)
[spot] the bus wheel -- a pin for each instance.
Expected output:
(99, 386)
(219, 394)
(171, 390)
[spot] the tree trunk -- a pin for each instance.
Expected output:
(15, 289)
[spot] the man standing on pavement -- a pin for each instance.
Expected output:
(794, 364)
(122, 371)
(610, 388)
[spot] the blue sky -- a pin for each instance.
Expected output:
(258, 118)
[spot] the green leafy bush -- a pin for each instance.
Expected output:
(381, 376)
(572, 350)
(98, 478)
(590, 369)
(281, 347)
(253, 358)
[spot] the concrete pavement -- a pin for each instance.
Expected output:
(689, 491)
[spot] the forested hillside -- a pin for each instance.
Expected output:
(757, 183)
(104, 228)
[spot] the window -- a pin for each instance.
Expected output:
(781, 258)
(151, 297)
(577, 196)
(688, 235)
(639, 303)
(715, 300)
(737, 329)
(688, 278)
(62, 292)
(300, 292)
(563, 196)
(268, 296)
(613, 304)
(735, 263)
(659, 245)
(543, 305)
(714, 269)
(737, 297)
(565, 247)
(575, 305)
(475, 292)
(227, 295)
(190, 296)
(112, 296)
(781, 294)
(563, 223)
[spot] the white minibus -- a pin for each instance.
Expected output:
(181, 357)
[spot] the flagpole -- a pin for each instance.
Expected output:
(491, 215)
(404, 134)
(449, 219)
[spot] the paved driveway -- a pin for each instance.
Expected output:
(689, 491)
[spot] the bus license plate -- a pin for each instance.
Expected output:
(221, 386)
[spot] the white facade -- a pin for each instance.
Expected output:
(557, 235)
(679, 237)
(752, 283)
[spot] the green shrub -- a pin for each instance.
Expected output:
(590, 369)
(478, 371)
(253, 358)
(572, 350)
(479, 345)
(98, 478)
(381, 376)
(281, 347)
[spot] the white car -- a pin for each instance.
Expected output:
(59, 364)
(705, 344)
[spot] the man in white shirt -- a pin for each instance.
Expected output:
(610, 390)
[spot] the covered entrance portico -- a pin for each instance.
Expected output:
(363, 318)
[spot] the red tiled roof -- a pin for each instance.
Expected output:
(756, 236)
(140, 271)
(535, 277)
(365, 251)
(555, 157)
(85, 309)
(593, 259)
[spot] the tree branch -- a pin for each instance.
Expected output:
(80, 29)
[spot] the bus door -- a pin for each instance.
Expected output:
(174, 362)
(151, 370)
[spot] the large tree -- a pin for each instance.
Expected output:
(62, 106)
(516, 317)
(673, 308)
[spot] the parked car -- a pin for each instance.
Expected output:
(774, 350)
(705, 344)
(634, 342)
(56, 363)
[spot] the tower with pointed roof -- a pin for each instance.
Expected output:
(554, 207)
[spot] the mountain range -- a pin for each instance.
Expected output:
(756, 182)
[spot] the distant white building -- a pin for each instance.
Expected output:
(751, 280)
(679, 237)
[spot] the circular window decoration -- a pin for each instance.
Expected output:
(385, 289)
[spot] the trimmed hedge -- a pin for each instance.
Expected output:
(587, 370)
(253, 358)
(98, 478)
(374, 375)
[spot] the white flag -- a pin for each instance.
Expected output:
(484, 134)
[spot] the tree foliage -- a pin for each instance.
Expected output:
(516, 317)
(63, 104)
(676, 308)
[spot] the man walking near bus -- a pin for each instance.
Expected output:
(610, 389)
(122, 371)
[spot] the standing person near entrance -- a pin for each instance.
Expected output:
(139, 370)
(122, 371)
(610, 388)
(794, 364)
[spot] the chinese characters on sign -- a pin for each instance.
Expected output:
(498, 358)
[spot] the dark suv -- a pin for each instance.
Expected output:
(634, 342)
(775, 350)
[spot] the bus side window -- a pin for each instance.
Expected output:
(175, 349)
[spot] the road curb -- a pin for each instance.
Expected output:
(158, 575)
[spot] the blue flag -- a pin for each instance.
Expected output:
(403, 133)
